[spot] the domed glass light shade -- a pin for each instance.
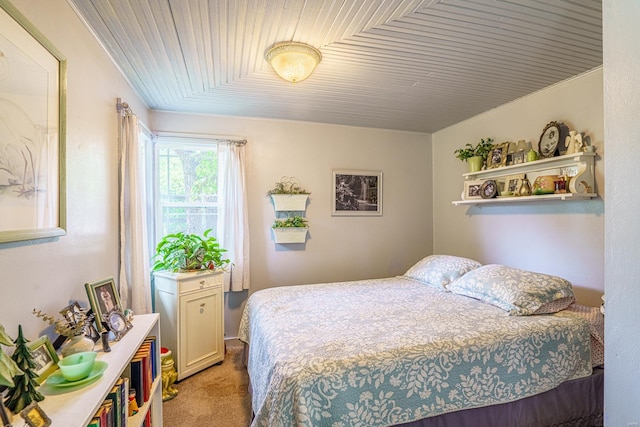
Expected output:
(293, 61)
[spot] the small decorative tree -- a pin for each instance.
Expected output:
(8, 368)
(24, 390)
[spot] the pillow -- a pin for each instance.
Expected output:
(519, 292)
(440, 270)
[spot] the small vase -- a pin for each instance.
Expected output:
(475, 163)
(76, 344)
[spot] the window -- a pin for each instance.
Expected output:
(186, 186)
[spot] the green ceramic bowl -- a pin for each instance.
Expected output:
(77, 366)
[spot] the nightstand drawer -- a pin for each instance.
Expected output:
(199, 282)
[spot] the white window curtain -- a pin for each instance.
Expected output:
(233, 218)
(134, 275)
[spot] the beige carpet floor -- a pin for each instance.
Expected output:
(217, 396)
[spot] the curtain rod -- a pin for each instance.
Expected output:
(123, 108)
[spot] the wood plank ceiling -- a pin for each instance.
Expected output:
(416, 65)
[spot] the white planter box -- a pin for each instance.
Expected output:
(289, 202)
(290, 234)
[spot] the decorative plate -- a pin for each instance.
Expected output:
(489, 189)
(57, 380)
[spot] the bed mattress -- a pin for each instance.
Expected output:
(391, 351)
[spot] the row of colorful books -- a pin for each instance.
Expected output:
(131, 391)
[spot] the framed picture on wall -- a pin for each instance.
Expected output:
(356, 193)
(32, 137)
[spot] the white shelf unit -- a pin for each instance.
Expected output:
(76, 408)
(581, 186)
(191, 307)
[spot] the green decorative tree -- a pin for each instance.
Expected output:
(24, 390)
(8, 368)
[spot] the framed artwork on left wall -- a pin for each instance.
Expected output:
(32, 131)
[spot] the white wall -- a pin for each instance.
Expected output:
(47, 276)
(560, 238)
(622, 229)
(338, 248)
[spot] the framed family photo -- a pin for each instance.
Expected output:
(472, 189)
(104, 298)
(44, 356)
(497, 156)
(356, 193)
(32, 106)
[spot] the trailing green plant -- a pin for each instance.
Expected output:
(287, 185)
(482, 149)
(292, 221)
(187, 252)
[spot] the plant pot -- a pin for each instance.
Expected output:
(290, 234)
(475, 163)
(289, 202)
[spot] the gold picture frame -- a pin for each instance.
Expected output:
(512, 184)
(45, 358)
(33, 104)
(35, 416)
(497, 156)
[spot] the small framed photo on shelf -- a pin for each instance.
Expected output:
(103, 297)
(512, 184)
(35, 416)
(44, 356)
(472, 189)
(498, 155)
(117, 323)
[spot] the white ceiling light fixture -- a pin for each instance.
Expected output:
(293, 61)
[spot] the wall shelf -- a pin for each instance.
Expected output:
(580, 186)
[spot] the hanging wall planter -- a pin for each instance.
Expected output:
(290, 234)
(289, 202)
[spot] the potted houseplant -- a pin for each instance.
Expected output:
(292, 229)
(182, 252)
(475, 156)
(287, 195)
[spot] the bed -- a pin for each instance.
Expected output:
(450, 343)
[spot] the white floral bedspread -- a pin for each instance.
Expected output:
(388, 351)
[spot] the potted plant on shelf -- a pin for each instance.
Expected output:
(475, 156)
(182, 252)
(292, 229)
(287, 195)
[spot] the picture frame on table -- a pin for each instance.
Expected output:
(103, 297)
(45, 358)
(34, 416)
(356, 192)
(33, 91)
(497, 156)
(118, 323)
(472, 189)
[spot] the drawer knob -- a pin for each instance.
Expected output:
(202, 308)
(201, 284)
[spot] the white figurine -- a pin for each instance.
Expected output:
(573, 142)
